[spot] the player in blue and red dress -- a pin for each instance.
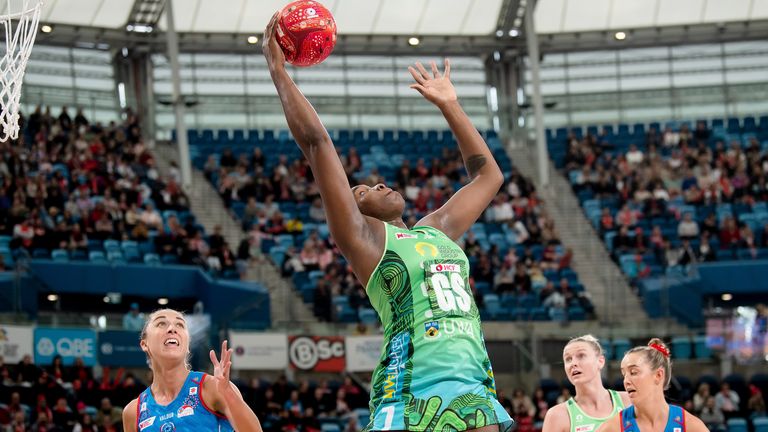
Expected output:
(647, 371)
(180, 399)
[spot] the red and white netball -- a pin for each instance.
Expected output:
(306, 31)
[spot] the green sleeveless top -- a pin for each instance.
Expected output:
(434, 371)
(581, 422)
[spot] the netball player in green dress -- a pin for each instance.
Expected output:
(434, 373)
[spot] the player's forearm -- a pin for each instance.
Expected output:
(241, 416)
(478, 159)
(303, 121)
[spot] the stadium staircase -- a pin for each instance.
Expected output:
(614, 299)
(288, 309)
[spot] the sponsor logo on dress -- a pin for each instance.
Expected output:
(184, 411)
(168, 427)
(166, 416)
(147, 423)
(585, 428)
(398, 356)
(445, 268)
(143, 407)
(432, 329)
(401, 236)
(448, 327)
(193, 391)
(423, 248)
(678, 430)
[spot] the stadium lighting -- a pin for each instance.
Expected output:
(106, 299)
(52, 297)
(514, 33)
(253, 40)
(726, 297)
(413, 41)
(499, 33)
(139, 28)
(620, 35)
(162, 301)
(45, 28)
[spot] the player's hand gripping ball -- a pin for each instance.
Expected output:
(306, 31)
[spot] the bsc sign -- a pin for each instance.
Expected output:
(317, 353)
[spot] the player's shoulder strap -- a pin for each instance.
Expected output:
(618, 404)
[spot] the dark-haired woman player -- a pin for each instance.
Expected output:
(434, 372)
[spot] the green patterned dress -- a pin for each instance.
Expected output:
(434, 373)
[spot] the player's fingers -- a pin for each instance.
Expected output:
(226, 370)
(423, 71)
(214, 360)
(271, 26)
(416, 75)
(447, 71)
(418, 88)
(435, 72)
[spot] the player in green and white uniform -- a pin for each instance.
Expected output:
(593, 404)
(434, 370)
(435, 373)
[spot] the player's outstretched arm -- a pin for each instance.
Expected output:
(226, 397)
(360, 238)
(465, 207)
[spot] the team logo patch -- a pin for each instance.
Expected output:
(168, 427)
(143, 407)
(401, 236)
(423, 248)
(443, 268)
(192, 391)
(432, 329)
(585, 428)
(147, 423)
(184, 411)
(678, 430)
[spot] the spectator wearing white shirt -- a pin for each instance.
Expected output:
(727, 400)
(502, 209)
(151, 218)
(133, 320)
(634, 155)
(688, 228)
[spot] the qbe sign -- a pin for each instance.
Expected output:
(70, 344)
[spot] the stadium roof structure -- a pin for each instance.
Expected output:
(384, 26)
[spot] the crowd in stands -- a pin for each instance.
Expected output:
(514, 252)
(61, 398)
(671, 198)
(75, 189)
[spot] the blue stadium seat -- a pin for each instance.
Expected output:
(115, 256)
(40, 253)
(368, 316)
(152, 259)
(111, 245)
(737, 425)
(620, 346)
(60, 255)
(681, 348)
(760, 424)
(97, 257)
